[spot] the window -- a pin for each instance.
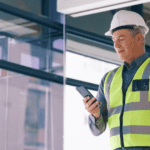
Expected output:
(77, 134)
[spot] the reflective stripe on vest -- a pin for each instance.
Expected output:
(136, 116)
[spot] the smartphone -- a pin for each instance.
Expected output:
(84, 92)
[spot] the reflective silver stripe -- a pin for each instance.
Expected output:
(114, 131)
(114, 110)
(136, 106)
(130, 130)
(144, 94)
(136, 129)
(129, 107)
(107, 87)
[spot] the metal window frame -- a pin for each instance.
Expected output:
(44, 75)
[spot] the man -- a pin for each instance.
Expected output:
(124, 93)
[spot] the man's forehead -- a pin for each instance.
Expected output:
(118, 36)
(120, 33)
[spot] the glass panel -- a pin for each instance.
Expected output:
(31, 108)
(30, 44)
(3, 114)
(27, 117)
(86, 69)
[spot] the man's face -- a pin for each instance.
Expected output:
(125, 45)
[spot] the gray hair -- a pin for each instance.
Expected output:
(137, 30)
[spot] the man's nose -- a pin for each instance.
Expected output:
(117, 44)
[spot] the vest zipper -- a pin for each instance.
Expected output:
(121, 120)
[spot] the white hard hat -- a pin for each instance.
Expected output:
(125, 19)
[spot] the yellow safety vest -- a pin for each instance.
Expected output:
(135, 111)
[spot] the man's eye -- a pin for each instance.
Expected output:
(121, 39)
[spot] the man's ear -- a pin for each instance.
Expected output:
(139, 37)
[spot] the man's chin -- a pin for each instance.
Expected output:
(123, 58)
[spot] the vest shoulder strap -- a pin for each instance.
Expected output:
(108, 80)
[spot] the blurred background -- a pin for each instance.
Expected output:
(44, 55)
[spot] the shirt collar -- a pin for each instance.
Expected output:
(138, 61)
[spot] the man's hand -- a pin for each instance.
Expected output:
(92, 109)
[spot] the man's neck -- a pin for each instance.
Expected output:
(128, 63)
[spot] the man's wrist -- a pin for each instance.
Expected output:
(96, 116)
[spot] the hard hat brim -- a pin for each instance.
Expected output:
(108, 33)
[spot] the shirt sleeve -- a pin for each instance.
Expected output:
(98, 126)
